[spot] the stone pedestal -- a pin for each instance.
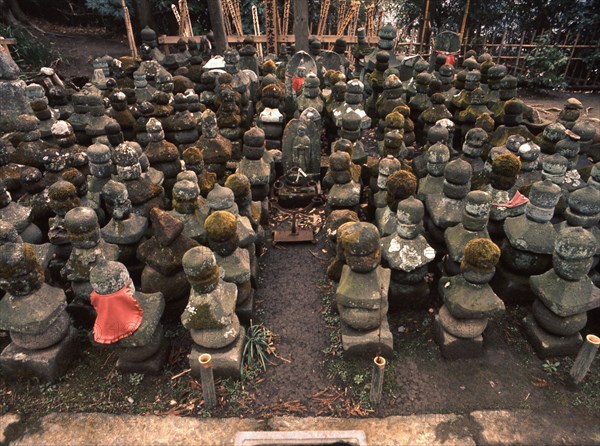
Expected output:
(226, 361)
(360, 344)
(453, 347)
(547, 345)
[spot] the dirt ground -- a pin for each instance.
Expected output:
(306, 375)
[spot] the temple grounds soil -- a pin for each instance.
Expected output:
(306, 375)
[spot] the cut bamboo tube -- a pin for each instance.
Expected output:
(208, 381)
(585, 357)
(377, 380)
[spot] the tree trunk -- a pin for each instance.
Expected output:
(144, 14)
(215, 10)
(301, 24)
(17, 12)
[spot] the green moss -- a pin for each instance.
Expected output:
(394, 120)
(192, 156)
(482, 254)
(506, 165)
(401, 185)
(268, 67)
(239, 184)
(221, 226)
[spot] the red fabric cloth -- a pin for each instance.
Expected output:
(517, 200)
(297, 83)
(450, 60)
(119, 315)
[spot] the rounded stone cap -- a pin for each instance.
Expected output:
(509, 82)
(81, 220)
(471, 63)
(312, 81)
(185, 190)
(268, 66)
(153, 126)
(555, 164)
(125, 155)
(387, 32)
(513, 107)
(254, 137)
(342, 145)
(506, 165)
(423, 78)
(446, 70)
(362, 240)
(355, 87)
(438, 153)
(437, 133)
(389, 165)
(112, 128)
(199, 262)
(108, 277)
(98, 153)
(544, 194)
(585, 201)
(458, 172)
(351, 120)
(340, 161)
(26, 123)
(401, 184)
(473, 76)
(148, 34)
(574, 243)
(114, 190)
(192, 156)
(392, 81)
(438, 98)
(410, 211)
(421, 65)
(529, 151)
(585, 130)
(337, 218)
(481, 254)
(220, 198)
(61, 129)
(478, 203)
(394, 120)
(440, 60)
(61, 190)
(393, 139)
(382, 57)
(574, 104)
(221, 226)
(30, 175)
(496, 72)
(239, 184)
(514, 142)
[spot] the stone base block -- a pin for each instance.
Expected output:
(456, 348)
(226, 361)
(547, 345)
(47, 364)
(151, 366)
(366, 343)
(245, 310)
(512, 288)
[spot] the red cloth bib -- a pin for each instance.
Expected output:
(517, 200)
(297, 83)
(119, 315)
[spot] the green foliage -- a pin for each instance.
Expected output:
(256, 350)
(546, 64)
(550, 367)
(30, 53)
(109, 8)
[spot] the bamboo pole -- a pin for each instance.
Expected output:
(464, 20)
(584, 359)
(502, 43)
(208, 381)
(519, 52)
(377, 380)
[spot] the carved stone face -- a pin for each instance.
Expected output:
(476, 139)
(231, 57)
(301, 71)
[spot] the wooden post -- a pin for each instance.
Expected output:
(502, 44)
(301, 24)
(424, 25)
(271, 25)
(519, 53)
(215, 10)
(129, 28)
(377, 380)
(464, 19)
(585, 357)
(208, 381)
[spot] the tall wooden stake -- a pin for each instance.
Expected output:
(584, 359)
(301, 24)
(129, 28)
(208, 381)
(424, 25)
(271, 25)
(464, 20)
(377, 380)
(215, 10)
